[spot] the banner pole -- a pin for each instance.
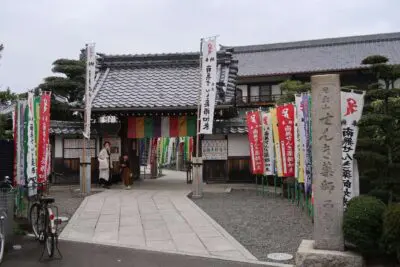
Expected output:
(263, 185)
(197, 190)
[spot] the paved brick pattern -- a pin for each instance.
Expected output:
(154, 220)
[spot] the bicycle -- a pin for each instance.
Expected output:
(44, 221)
(5, 187)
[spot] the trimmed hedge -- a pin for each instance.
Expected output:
(362, 223)
(391, 230)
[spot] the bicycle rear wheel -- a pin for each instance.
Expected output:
(2, 244)
(50, 244)
(36, 219)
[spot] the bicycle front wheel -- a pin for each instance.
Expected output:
(36, 219)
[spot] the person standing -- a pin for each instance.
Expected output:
(105, 165)
(125, 172)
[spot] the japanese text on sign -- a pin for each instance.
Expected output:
(208, 85)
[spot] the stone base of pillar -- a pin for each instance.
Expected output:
(308, 256)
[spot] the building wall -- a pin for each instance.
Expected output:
(68, 163)
(236, 167)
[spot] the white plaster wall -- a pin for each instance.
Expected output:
(58, 146)
(238, 145)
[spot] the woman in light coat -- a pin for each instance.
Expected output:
(105, 165)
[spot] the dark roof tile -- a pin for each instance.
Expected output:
(332, 54)
(158, 80)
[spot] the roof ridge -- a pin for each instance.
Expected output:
(316, 42)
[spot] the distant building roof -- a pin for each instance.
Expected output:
(331, 54)
(158, 80)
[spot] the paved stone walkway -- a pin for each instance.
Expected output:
(154, 218)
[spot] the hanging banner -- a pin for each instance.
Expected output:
(301, 138)
(306, 106)
(285, 115)
(48, 167)
(22, 138)
(352, 106)
(208, 85)
(256, 143)
(16, 148)
(31, 147)
(153, 152)
(36, 120)
(275, 132)
(43, 140)
(89, 87)
(268, 145)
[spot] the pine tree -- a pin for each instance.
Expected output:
(291, 88)
(378, 147)
(71, 86)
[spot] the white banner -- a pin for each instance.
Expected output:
(352, 106)
(301, 138)
(268, 143)
(208, 85)
(89, 88)
(31, 148)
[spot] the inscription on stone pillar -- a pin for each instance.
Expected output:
(327, 162)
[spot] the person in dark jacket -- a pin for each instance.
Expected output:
(125, 171)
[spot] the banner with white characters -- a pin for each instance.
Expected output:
(268, 143)
(90, 83)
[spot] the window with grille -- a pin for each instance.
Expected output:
(73, 148)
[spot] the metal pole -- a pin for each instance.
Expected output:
(197, 183)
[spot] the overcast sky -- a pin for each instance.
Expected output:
(35, 33)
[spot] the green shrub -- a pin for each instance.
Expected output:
(362, 223)
(391, 230)
(381, 194)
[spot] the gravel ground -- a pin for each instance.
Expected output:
(262, 224)
(67, 199)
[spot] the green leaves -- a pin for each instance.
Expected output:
(290, 88)
(7, 95)
(71, 85)
(374, 59)
(73, 69)
(379, 144)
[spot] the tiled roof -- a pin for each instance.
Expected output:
(322, 55)
(76, 128)
(158, 80)
(66, 128)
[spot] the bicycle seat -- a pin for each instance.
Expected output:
(47, 200)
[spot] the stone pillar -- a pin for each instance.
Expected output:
(327, 162)
(327, 248)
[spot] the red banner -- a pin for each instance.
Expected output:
(256, 143)
(285, 115)
(44, 127)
